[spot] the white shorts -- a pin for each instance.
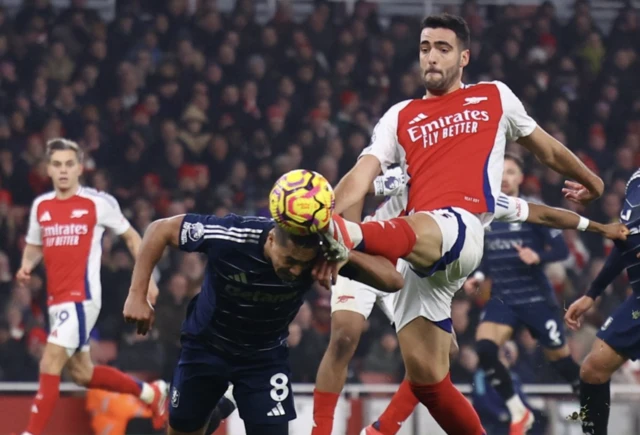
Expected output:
(350, 295)
(71, 323)
(429, 293)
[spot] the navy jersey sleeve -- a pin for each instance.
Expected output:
(210, 234)
(556, 248)
(611, 269)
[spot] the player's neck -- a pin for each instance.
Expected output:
(67, 193)
(440, 93)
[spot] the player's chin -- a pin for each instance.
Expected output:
(436, 84)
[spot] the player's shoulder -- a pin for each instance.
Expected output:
(99, 197)
(233, 221)
(47, 196)
(393, 111)
(505, 92)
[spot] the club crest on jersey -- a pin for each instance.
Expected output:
(191, 231)
(474, 100)
(78, 213)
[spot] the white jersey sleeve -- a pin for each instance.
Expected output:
(384, 140)
(34, 234)
(109, 213)
(519, 123)
(511, 209)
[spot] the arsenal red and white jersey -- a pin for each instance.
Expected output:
(70, 233)
(452, 146)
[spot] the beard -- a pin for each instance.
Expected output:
(441, 81)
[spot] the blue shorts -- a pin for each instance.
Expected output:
(542, 319)
(621, 330)
(261, 383)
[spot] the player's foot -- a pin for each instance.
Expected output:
(523, 425)
(339, 232)
(159, 404)
(370, 430)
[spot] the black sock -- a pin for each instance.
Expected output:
(224, 408)
(495, 372)
(570, 371)
(594, 407)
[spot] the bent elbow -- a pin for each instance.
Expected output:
(395, 283)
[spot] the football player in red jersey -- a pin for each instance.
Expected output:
(452, 144)
(65, 230)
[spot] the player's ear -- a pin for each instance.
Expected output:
(464, 58)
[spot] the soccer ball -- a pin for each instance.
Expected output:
(301, 202)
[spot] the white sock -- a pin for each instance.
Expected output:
(147, 394)
(516, 408)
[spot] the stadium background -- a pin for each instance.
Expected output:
(198, 105)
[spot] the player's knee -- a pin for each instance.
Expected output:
(343, 343)
(53, 360)
(81, 373)
(425, 369)
(592, 372)
(487, 352)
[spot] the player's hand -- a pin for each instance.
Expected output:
(615, 231)
(152, 294)
(139, 311)
(326, 272)
(23, 276)
(574, 314)
(391, 183)
(576, 192)
(527, 255)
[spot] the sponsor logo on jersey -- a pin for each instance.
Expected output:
(63, 234)
(46, 216)
(503, 244)
(259, 296)
(431, 132)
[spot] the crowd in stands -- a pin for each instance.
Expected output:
(198, 111)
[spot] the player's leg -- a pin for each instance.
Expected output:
(86, 374)
(417, 238)
(65, 337)
(548, 328)
(225, 407)
(262, 389)
(495, 328)
(595, 395)
(617, 341)
(351, 304)
(200, 379)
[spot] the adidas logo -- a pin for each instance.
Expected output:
(46, 216)
(277, 411)
(239, 277)
(420, 117)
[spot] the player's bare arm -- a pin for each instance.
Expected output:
(559, 158)
(354, 186)
(159, 235)
(30, 258)
(565, 219)
(133, 241)
(373, 270)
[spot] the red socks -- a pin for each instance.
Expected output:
(110, 379)
(44, 403)
(398, 411)
(449, 407)
(391, 239)
(324, 406)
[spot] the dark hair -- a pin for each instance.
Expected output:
(455, 23)
(282, 237)
(515, 159)
(60, 144)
